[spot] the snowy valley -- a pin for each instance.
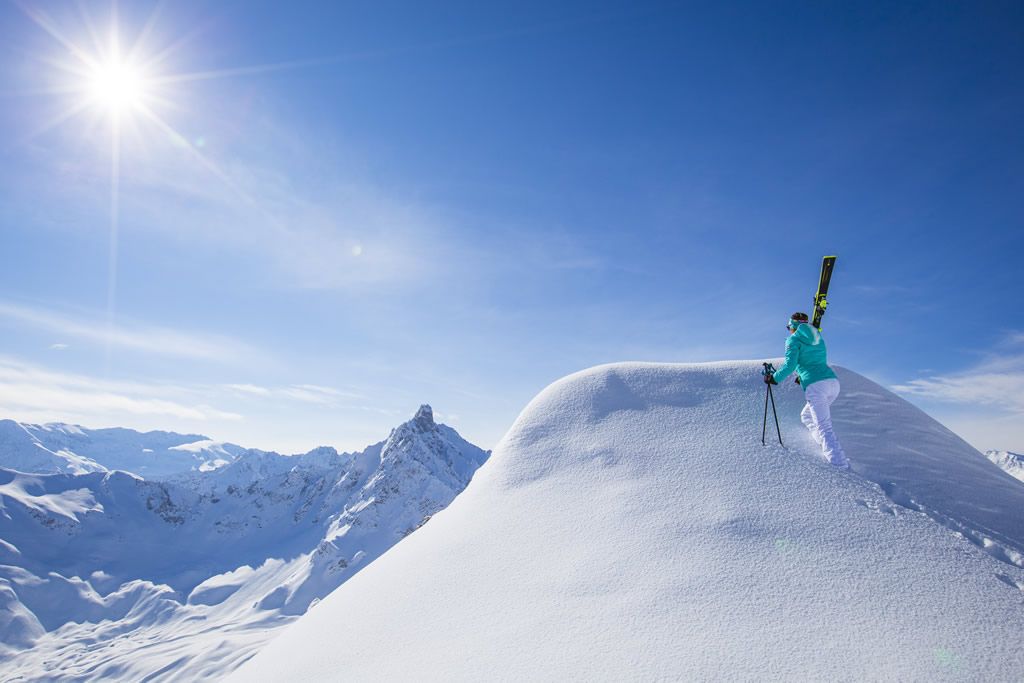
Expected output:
(108, 574)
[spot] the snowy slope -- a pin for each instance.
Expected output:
(1011, 463)
(630, 526)
(62, 448)
(109, 575)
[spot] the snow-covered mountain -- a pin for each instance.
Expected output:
(107, 575)
(1012, 463)
(62, 448)
(631, 526)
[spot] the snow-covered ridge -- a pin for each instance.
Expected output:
(631, 526)
(98, 569)
(71, 449)
(1011, 463)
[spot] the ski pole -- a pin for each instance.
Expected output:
(769, 369)
(779, 431)
(764, 425)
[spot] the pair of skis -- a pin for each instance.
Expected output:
(820, 304)
(820, 300)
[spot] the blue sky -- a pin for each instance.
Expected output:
(330, 213)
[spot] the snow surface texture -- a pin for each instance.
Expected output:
(109, 576)
(1012, 463)
(62, 448)
(630, 526)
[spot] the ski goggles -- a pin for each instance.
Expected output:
(793, 324)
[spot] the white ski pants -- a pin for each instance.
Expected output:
(817, 417)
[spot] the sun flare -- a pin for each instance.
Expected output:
(116, 86)
(122, 89)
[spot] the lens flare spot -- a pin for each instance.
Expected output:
(946, 658)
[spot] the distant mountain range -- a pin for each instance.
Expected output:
(1013, 463)
(58, 448)
(175, 556)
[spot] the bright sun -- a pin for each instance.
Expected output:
(116, 86)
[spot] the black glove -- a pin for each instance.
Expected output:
(798, 380)
(769, 378)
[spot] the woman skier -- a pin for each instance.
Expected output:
(805, 353)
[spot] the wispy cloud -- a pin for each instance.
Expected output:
(142, 338)
(250, 389)
(449, 418)
(286, 417)
(987, 399)
(310, 393)
(35, 393)
(29, 392)
(1004, 391)
(997, 380)
(303, 393)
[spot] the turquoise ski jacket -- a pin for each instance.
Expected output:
(805, 353)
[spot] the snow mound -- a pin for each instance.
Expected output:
(631, 526)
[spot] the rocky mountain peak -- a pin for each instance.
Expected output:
(424, 418)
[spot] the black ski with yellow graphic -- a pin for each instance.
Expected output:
(820, 301)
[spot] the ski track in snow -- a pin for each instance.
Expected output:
(854, 424)
(887, 498)
(631, 526)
